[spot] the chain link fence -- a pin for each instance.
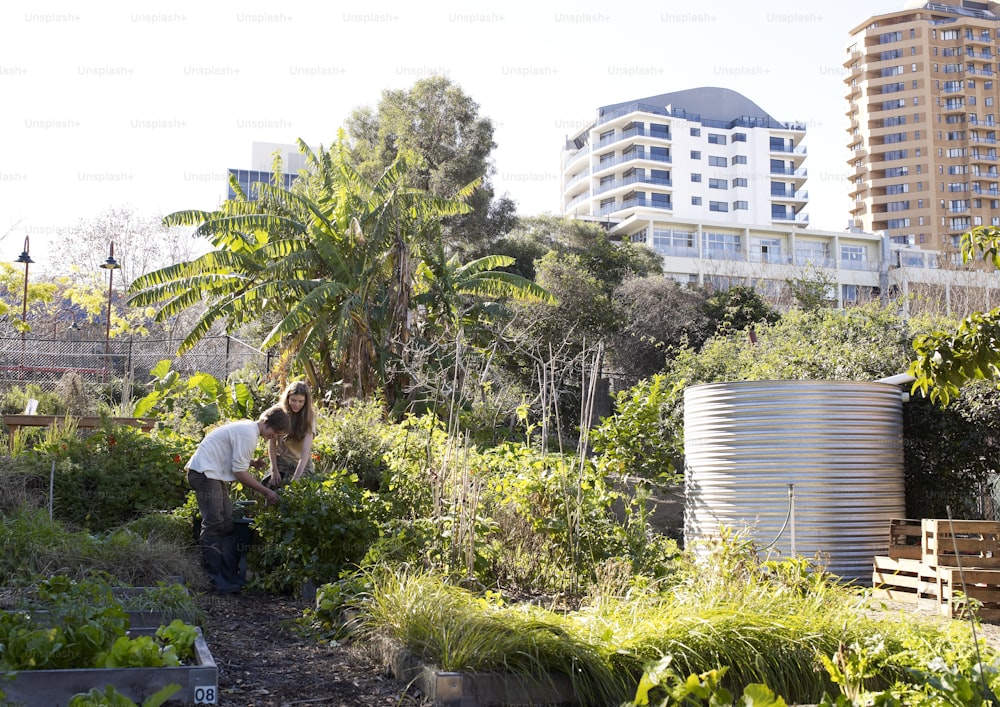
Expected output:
(44, 362)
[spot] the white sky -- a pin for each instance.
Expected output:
(147, 104)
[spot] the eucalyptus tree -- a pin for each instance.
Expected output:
(333, 259)
(449, 145)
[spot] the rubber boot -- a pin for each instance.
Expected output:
(231, 569)
(214, 559)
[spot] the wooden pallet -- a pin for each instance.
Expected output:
(904, 579)
(965, 543)
(980, 592)
(905, 538)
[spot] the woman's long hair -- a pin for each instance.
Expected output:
(304, 420)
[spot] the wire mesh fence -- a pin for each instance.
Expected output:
(44, 362)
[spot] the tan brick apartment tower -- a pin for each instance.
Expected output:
(924, 99)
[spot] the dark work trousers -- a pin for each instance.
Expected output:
(218, 538)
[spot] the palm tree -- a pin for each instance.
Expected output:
(333, 257)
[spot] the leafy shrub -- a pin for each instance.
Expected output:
(16, 399)
(320, 527)
(353, 438)
(109, 477)
(644, 437)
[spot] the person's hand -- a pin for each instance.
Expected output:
(271, 497)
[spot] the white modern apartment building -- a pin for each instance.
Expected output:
(713, 183)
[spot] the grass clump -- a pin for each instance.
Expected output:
(33, 545)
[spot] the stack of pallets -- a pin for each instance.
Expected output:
(949, 566)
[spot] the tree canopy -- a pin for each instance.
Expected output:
(438, 129)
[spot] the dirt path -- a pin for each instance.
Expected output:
(263, 662)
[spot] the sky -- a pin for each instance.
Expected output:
(146, 105)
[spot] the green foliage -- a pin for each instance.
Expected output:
(661, 686)
(110, 476)
(188, 406)
(737, 308)
(137, 652)
(642, 437)
(32, 545)
(654, 315)
(455, 630)
(180, 636)
(83, 626)
(110, 697)
(353, 437)
(319, 528)
(945, 360)
(15, 400)
(950, 451)
(438, 127)
(814, 290)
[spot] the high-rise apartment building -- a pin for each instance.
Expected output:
(923, 106)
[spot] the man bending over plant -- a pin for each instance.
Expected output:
(223, 457)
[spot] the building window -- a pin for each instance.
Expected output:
(741, 205)
(853, 253)
(717, 184)
(739, 137)
(714, 161)
(696, 154)
(740, 182)
(718, 206)
(695, 177)
(695, 201)
(716, 139)
(695, 132)
(740, 159)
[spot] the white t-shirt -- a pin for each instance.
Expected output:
(226, 450)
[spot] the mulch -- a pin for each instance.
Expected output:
(264, 660)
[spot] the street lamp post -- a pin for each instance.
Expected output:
(110, 265)
(26, 259)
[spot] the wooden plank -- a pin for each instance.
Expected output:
(903, 579)
(971, 543)
(904, 538)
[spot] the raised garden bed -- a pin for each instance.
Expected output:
(199, 682)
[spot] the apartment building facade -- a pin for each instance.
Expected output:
(716, 186)
(923, 98)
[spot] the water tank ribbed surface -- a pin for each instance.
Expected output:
(839, 443)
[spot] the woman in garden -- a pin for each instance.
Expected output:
(224, 456)
(291, 457)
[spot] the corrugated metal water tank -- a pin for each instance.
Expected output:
(839, 443)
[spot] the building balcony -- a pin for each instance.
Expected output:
(602, 167)
(581, 176)
(856, 265)
(631, 204)
(790, 218)
(626, 181)
(790, 195)
(585, 196)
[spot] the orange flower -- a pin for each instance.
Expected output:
(112, 441)
(177, 459)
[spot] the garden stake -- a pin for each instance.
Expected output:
(987, 694)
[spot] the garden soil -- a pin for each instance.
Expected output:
(264, 661)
